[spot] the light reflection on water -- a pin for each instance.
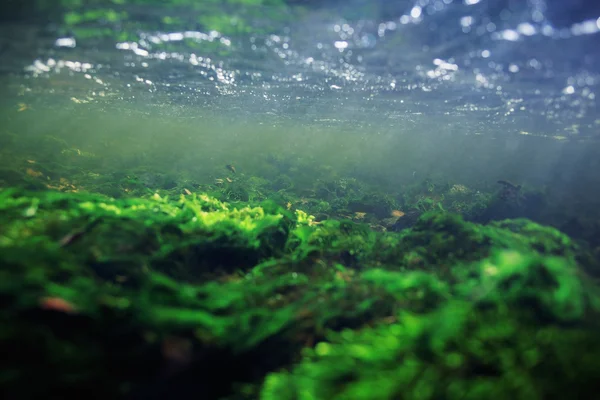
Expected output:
(473, 64)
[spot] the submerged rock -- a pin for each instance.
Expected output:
(147, 298)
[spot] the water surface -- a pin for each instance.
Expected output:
(460, 91)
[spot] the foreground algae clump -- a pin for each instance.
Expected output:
(159, 297)
(524, 330)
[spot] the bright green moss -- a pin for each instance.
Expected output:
(447, 309)
(472, 346)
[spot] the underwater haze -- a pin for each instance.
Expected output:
(471, 92)
(300, 199)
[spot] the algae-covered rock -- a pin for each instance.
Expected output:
(439, 240)
(520, 317)
(195, 234)
(162, 297)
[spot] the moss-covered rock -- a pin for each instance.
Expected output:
(517, 318)
(168, 294)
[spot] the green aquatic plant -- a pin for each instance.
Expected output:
(445, 309)
(175, 282)
(425, 204)
(481, 342)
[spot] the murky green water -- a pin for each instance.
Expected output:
(394, 94)
(273, 199)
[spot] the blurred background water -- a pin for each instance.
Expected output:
(468, 91)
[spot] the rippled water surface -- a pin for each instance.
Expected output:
(472, 90)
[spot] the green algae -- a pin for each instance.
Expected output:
(124, 277)
(447, 309)
(499, 338)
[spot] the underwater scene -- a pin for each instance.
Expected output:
(300, 199)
